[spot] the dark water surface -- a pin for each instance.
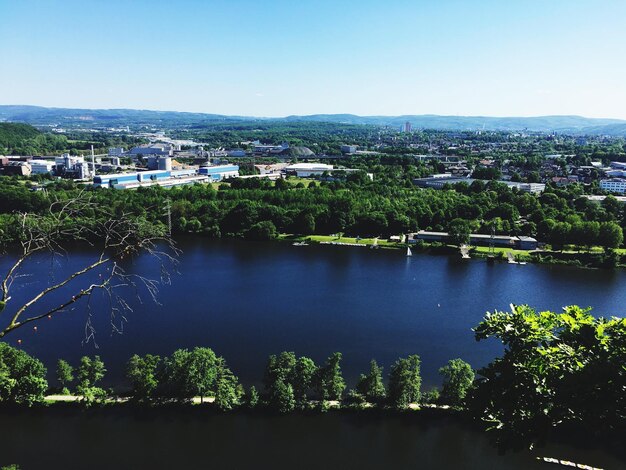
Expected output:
(195, 439)
(249, 300)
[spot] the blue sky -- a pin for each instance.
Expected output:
(275, 58)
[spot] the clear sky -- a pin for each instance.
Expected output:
(281, 57)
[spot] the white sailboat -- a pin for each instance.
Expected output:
(408, 251)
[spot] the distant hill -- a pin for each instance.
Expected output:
(14, 134)
(575, 124)
(37, 115)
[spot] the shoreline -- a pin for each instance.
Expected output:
(579, 259)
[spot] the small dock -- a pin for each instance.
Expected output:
(511, 258)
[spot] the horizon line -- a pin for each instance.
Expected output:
(317, 114)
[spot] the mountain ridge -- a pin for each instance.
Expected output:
(39, 115)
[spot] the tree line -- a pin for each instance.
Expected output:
(391, 204)
(290, 382)
(558, 371)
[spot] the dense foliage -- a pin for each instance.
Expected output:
(22, 377)
(391, 204)
(558, 370)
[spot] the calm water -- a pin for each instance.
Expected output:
(179, 439)
(249, 300)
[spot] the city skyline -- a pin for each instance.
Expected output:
(478, 58)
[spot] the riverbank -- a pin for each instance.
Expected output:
(596, 257)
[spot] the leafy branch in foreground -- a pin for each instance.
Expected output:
(115, 236)
(559, 370)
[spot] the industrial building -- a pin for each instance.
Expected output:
(260, 149)
(165, 178)
(220, 172)
(10, 167)
(439, 181)
(41, 167)
(71, 166)
(152, 149)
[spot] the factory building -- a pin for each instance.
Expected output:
(41, 167)
(220, 172)
(165, 178)
(14, 168)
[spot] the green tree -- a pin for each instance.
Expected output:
(188, 374)
(22, 377)
(253, 397)
(329, 380)
(458, 378)
(282, 397)
(405, 382)
(227, 395)
(459, 231)
(301, 379)
(89, 373)
(142, 373)
(610, 235)
(557, 370)
(371, 386)
(65, 375)
(264, 230)
(279, 368)
(201, 372)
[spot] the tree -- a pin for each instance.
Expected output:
(301, 379)
(279, 368)
(227, 393)
(188, 374)
(253, 397)
(558, 370)
(22, 377)
(329, 380)
(459, 231)
(142, 373)
(282, 398)
(201, 372)
(610, 235)
(89, 373)
(458, 378)
(264, 230)
(371, 386)
(560, 235)
(65, 375)
(116, 234)
(405, 382)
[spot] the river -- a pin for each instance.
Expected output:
(248, 300)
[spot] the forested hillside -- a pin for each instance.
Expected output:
(24, 139)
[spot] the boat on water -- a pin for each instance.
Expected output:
(408, 251)
(300, 244)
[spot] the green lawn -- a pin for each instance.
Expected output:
(329, 238)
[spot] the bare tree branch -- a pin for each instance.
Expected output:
(118, 237)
